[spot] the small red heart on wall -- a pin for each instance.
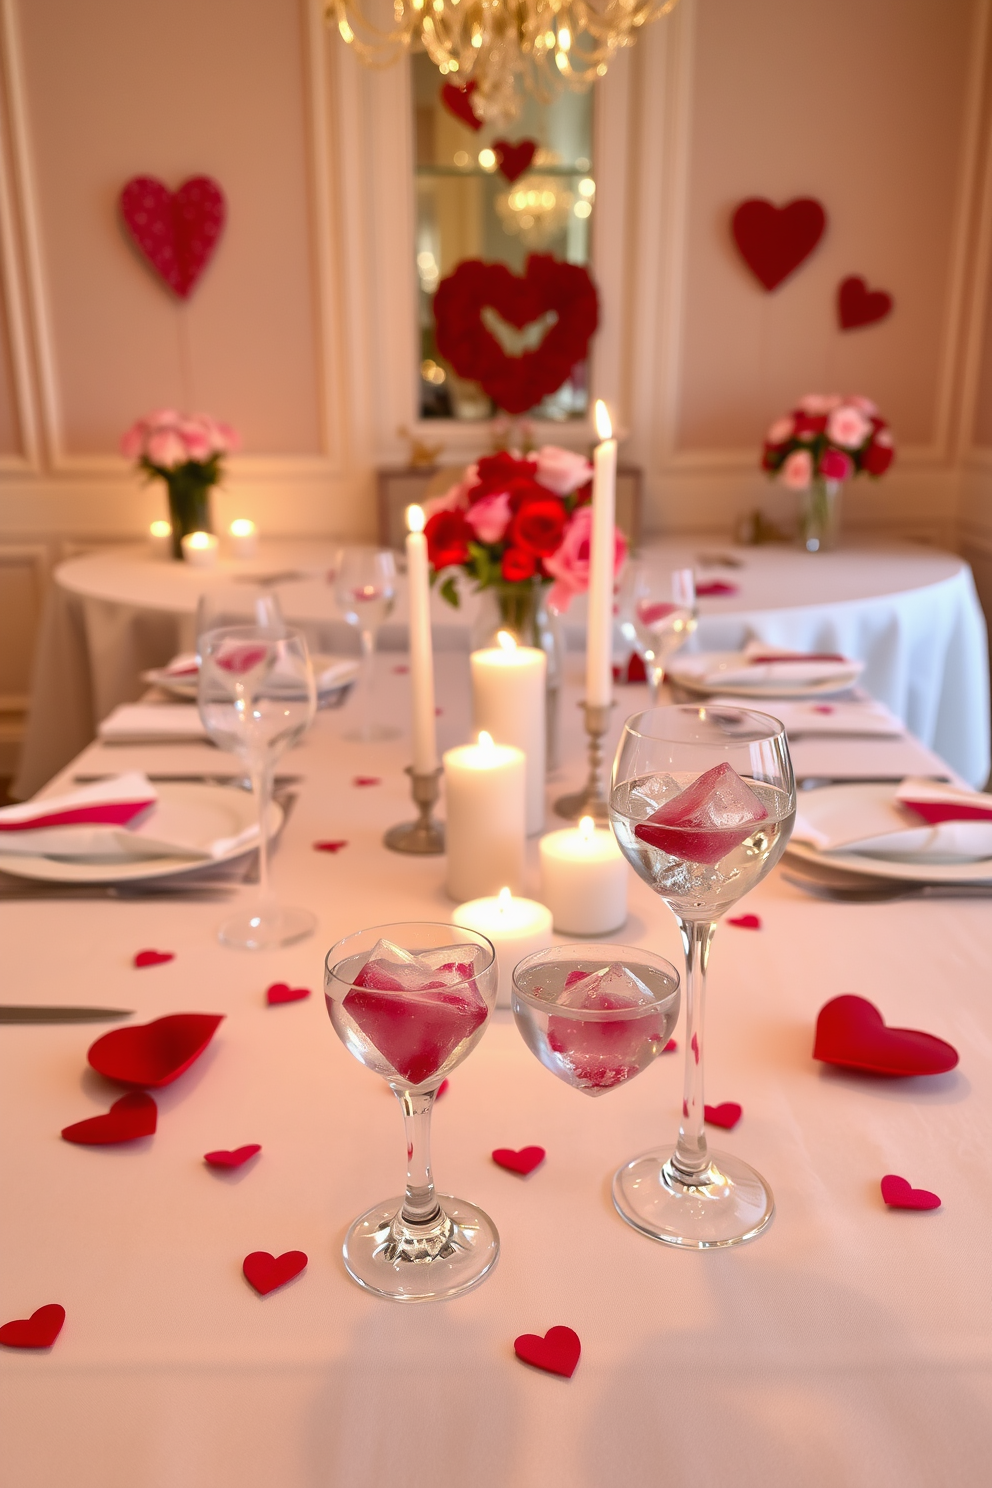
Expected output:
(514, 159)
(857, 305)
(40, 1330)
(773, 241)
(176, 231)
(458, 101)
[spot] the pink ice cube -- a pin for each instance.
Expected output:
(650, 614)
(707, 820)
(603, 1052)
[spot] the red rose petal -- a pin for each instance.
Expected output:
(746, 922)
(40, 1330)
(266, 1272)
(156, 1053)
(556, 1353)
(231, 1159)
(523, 1161)
(331, 845)
(850, 1031)
(153, 958)
(282, 992)
(133, 1116)
(726, 1115)
(898, 1194)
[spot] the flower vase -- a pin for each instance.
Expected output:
(522, 609)
(819, 514)
(189, 509)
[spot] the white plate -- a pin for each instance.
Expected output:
(687, 672)
(199, 811)
(918, 872)
(185, 687)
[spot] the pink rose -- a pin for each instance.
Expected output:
(133, 442)
(848, 427)
(561, 470)
(162, 418)
(797, 470)
(781, 431)
(569, 566)
(197, 438)
(166, 449)
(864, 405)
(489, 517)
(835, 465)
(819, 403)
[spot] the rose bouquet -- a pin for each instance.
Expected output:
(186, 452)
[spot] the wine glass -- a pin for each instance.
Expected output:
(365, 588)
(595, 1015)
(410, 1001)
(241, 604)
(257, 699)
(659, 626)
(702, 805)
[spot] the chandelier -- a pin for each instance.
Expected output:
(494, 44)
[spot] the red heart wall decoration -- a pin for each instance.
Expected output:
(512, 159)
(177, 231)
(265, 1272)
(156, 1053)
(857, 305)
(133, 1116)
(897, 1193)
(850, 1031)
(458, 101)
(548, 285)
(556, 1353)
(773, 241)
(40, 1330)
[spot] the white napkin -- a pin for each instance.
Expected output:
(775, 664)
(143, 722)
(883, 827)
(867, 718)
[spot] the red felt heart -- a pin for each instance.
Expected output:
(524, 1161)
(40, 1330)
(154, 958)
(850, 1031)
(562, 293)
(857, 305)
(746, 922)
(556, 1353)
(332, 845)
(442, 1089)
(225, 1159)
(153, 1053)
(458, 101)
(716, 588)
(898, 1194)
(513, 160)
(726, 1115)
(366, 780)
(177, 231)
(774, 240)
(670, 1047)
(134, 1115)
(265, 1272)
(282, 992)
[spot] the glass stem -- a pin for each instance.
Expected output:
(656, 676)
(261, 785)
(690, 1159)
(368, 666)
(420, 1205)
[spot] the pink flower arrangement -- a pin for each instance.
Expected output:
(165, 440)
(827, 437)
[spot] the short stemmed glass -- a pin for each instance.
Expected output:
(702, 805)
(365, 588)
(257, 699)
(659, 626)
(413, 1028)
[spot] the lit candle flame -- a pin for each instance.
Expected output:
(485, 740)
(506, 640)
(504, 900)
(415, 518)
(199, 539)
(604, 427)
(587, 827)
(161, 529)
(242, 527)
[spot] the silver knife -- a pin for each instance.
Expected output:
(10, 1013)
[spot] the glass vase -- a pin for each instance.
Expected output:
(189, 508)
(819, 514)
(523, 610)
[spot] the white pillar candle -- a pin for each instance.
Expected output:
(515, 926)
(200, 549)
(421, 650)
(160, 539)
(599, 628)
(484, 832)
(244, 538)
(508, 701)
(584, 880)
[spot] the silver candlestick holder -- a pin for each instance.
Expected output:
(591, 800)
(425, 835)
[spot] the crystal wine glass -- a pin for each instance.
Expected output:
(365, 588)
(659, 627)
(257, 699)
(702, 805)
(410, 1001)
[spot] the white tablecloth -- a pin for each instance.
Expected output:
(850, 1345)
(910, 613)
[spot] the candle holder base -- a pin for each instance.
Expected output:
(591, 800)
(425, 835)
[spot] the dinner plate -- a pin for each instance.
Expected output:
(202, 812)
(704, 671)
(185, 687)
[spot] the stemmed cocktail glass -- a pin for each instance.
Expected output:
(658, 624)
(702, 805)
(410, 1001)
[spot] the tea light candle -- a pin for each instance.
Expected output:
(584, 880)
(508, 701)
(200, 549)
(484, 786)
(244, 538)
(160, 538)
(599, 624)
(515, 926)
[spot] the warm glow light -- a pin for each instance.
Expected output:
(199, 540)
(504, 900)
(485, 741)
(604, 427)
(242, 527)
(506, 640)
(587, 828)
(564, 38)
(587, 186)
(415, 518)
(582, 209)
(487, 159)
(161, 529)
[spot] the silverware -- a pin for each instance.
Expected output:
(813, 782)
(882, 890)
(241, 781)
(10, 1013)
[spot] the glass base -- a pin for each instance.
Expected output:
(261, 929)
(411, 1263)
(370, 733)
(734, 1205)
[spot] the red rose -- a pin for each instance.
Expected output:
(448, 536)
(496, 472)
(877, 457)
(835, 465)
(539, 525)
(518, 565)
(583, 495)
(808, 425)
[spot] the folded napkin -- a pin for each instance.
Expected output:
(330, 672)
(863, 718)
(143, 722)
(919, 820)
(776, 664)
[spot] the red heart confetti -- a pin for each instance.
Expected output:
(176, 231)
(898, 1194)
(512, 159)
(556, 1353)
(523, 1161)
(266, 1272)
(366, 780)
(153, 1053)
(133, 1116)
(670, 1047)
(715, 588)
(442, 1089)
(154, 958)
(857, 305)
(282, 992)
(850, 1031)
(40, 1330)
(458, 101)
(775, 240)
(234, 1159)
(401, 671)
(330, 845)
(726, 1115)
(746, 922)
(824, 708)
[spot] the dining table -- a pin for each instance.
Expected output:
(848, 1346)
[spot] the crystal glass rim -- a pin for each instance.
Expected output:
(598, 1015)
(482, 942)
(765, 736)
(251, 633)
